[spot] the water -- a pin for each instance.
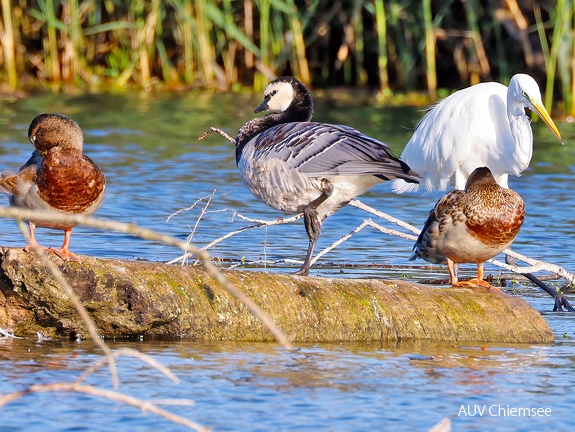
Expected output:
(148, 148)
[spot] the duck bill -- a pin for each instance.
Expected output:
(542, 112)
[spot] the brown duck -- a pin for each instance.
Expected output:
(471, 226)
(57, 177)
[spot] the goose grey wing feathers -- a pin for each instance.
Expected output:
(319, 149)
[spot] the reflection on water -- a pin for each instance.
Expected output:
(154, 164)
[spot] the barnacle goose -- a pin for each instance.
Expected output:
(295, 165)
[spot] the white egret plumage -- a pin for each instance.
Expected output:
(482, 125)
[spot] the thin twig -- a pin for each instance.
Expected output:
(199, 200)
(190, 237)
(365, 223)
(258, 223)
(132, 353)
(219, 131)
(107, 394)
(147, 234)
(7, 334)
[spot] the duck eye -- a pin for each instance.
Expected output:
(33, 138)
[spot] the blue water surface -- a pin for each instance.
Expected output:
(155, 166)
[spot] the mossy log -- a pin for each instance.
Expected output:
(131, 298)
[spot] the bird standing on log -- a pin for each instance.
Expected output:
(298, 166)
(482, 125)
(471, 226)
(57, 177)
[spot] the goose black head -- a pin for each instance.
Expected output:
(287, 94)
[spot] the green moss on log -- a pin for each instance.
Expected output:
(127, 298)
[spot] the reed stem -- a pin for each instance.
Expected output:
(421, 45)
(430, 68)
(382, 56)
(8, 46)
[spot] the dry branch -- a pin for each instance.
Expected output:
(107, 394)
(131, 353)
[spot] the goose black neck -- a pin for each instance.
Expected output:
(300, 110)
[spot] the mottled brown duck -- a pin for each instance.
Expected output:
(471, 226)
(56, 178)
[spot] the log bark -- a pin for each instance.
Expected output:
(133, 298)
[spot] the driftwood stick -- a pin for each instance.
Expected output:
(219, 131)
(357, 203)
(536, 265)
(365, 223)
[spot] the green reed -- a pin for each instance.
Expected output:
(411, 45)
(8, 45)
(382, 56)
(298, 57)
(561, 43)
(430, 54)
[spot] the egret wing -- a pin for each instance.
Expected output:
(461, 129)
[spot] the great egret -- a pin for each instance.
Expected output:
(57, 177)
(471, 225)
(482, 125)
(294, 165)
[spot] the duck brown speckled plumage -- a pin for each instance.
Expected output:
(471, 226)
(57, 177)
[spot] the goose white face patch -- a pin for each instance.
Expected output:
(280, 95)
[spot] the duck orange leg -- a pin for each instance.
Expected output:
(452, 274)
(471, 282)
(33, 242)
(64, 251)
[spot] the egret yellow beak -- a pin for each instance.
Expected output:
(542, 112)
